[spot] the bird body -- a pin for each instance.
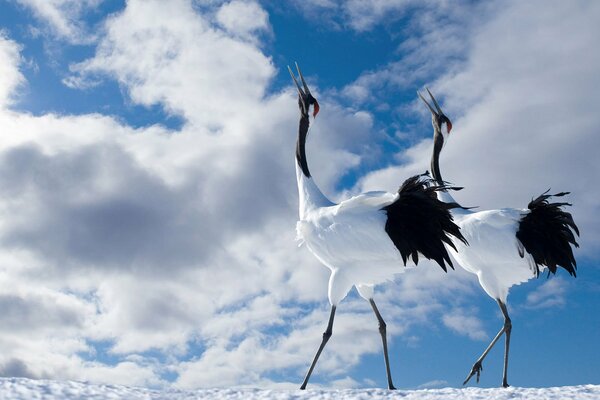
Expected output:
(350, 239)
(493, 251)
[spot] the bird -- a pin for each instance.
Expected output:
(507, 246)
(365, 239)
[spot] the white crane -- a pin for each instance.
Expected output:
(364, 240)
(506, 246)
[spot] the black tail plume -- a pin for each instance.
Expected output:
(420, 223)
(546, 232)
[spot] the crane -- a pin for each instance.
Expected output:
(365, 239)
(506, 246)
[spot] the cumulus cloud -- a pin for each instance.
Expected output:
(182, 63)
(172, 251)
(151, 239)
(243, 18)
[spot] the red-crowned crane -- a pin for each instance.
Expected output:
(364, 240)
(506, 246)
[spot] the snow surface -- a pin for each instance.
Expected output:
(21, 388)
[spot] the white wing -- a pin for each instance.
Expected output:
(351, 235)
(493, 251)
(368, 200)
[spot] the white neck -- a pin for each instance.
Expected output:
(309, 194)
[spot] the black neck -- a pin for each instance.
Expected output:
(438, 142)
(301, 144)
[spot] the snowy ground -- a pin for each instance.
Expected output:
(20, 388)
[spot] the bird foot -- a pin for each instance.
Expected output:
(391, 387)
(477, 368)
(505, 384)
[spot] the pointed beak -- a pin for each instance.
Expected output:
(437, 111)
(304, 91)
(427, 104)
(437, 106)
(300, 92)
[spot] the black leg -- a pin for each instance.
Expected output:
(477, 367)
(383, 333)
(326, 336)
(507, 330)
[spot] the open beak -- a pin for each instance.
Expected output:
(437, 106)
(300, 91)
(427, 104)
(304, 91)
(437, 111)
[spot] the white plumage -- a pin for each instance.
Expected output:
(349, 238)
(493, 250)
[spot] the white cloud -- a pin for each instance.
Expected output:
(464, 324)
(63, 17)
(243, 18)
(182, 63)
(433, 384)
(548, 295)
(364, 15)
(182, 242)
(165, 240)
(10, 76)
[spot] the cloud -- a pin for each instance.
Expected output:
(468, 325)
(182, 63)
(63, 18)
(365, 15)
(243, 18)
(10, 76)
(154, 252)
(548, 295)
(437, 383)
(156, 241)
(15, 368)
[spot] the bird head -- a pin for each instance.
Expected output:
(305, 98)
(438, 119)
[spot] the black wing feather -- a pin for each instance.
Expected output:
(417, 222)
(546, 232)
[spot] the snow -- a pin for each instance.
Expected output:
(21, 388)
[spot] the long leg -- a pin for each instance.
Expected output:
(383, 333)
(326, 336)
(507, 330)
(477, 367)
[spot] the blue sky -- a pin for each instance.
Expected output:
(149, 200)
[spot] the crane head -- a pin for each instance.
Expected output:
(438, 118)
(305, 98)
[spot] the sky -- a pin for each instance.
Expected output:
(148, 197)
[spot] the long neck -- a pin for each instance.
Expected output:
(438, 143)
(301, 145)
(310, 195)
